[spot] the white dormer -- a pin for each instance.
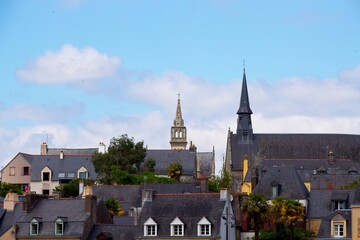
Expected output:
(150, 227)
(177, 227)
(46, 174)
(83, 173)
(204, 227)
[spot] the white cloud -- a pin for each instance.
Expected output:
(69, 65)
(296, 105)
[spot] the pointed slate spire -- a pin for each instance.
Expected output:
(244, 99)
(244, 127)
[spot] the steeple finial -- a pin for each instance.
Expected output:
(178, 130)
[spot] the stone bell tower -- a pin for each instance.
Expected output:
(178, 130)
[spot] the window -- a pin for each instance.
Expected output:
(46, 176)
(338, 205)
(26, 171)
(59, 227)
(61, 175)
(204, 230)
(338, 229)
(12, 171)
(150, 227)
(46, 191)
(71, 175)
(178, 230)
(204, 227)
(177, 227)
(82, 175)
(34, 227)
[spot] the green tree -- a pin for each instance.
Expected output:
(256, 207)
(71, 189)
(148, 166)
(114, 207)
(9, 187)
(123, 177)
(175, 171)
(124, 153)
(287, 213)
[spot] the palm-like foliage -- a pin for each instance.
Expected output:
(256, 207)
(286, 213)
(175, 171)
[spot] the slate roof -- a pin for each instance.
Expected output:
(119, 232)
(70, 163)
(338, 174)
(130, 195)
(296, 146)
(72, 151)
(8, 218)
(164, 157)
(320, 202)
(189, 208)
(291, 184)
(49, 211)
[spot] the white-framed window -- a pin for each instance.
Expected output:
(83, 173)
(59, 227)
(150, 228)
(177, 227)
(61, 175)
(204, 227)
(34, 227)
(338, 229)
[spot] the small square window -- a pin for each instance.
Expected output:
(46, 176)
(178, 230)
(151, 230)
(61, 175)
(71, 175)
(204, 230)
(12, 171)
(82, 175)
(338, 229)
(26, 171)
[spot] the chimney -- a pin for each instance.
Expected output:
(61, 155)
(87, 191)
(10, 201)
(81, 186)
(31, 200)
(147, 195)
(102, 147)
(204, 184)
(43, 148)
(224, 194)
(90, 203)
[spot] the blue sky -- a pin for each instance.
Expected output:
(76, 72)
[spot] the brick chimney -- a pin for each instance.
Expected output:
(31, 200)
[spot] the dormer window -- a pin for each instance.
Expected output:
(204, 227)
(150, 228)
(35, 226)
(177, 227)
(275, 189)
(60, 225)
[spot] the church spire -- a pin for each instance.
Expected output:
(244, 99)
(244, 125)
(178, 130)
